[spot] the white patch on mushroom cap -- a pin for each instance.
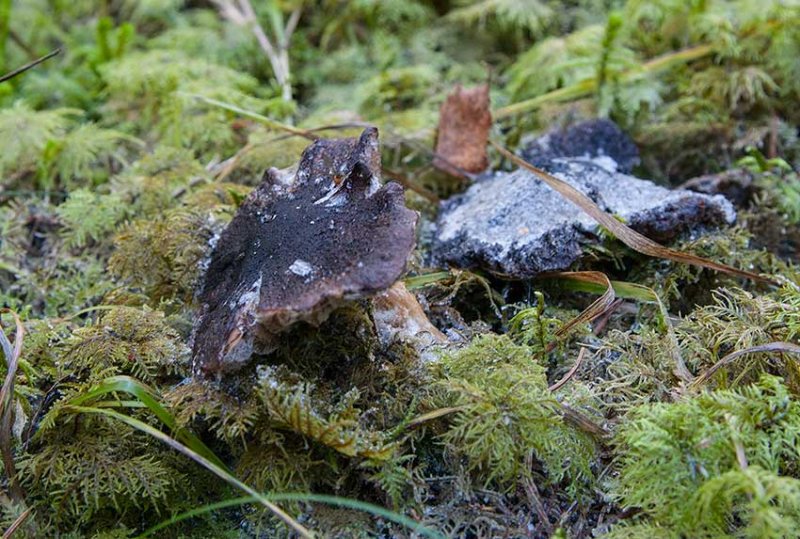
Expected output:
(301, 268)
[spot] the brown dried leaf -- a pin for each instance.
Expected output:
(464, 123)
(598, 306)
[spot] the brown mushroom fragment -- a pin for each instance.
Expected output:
(296, 250)
(464, 123)
(398, 315)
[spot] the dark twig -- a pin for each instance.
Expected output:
(15, 37)
(425, 193)
(601, 321)
(582, 422)
(29, 65)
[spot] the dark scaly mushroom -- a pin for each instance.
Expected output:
(296, 250)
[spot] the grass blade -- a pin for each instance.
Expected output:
(586, 87)
(126, 384)
(219, 471)
(11, 354)
(598, 306)
(421, 281)
(640, 293)
(301, 497)
(622, 289)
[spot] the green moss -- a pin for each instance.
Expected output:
(683, 287)
(125, 341)
(116, 180)
(720, 463)
(98, 475)
(506, 412)
(734, 321)
(162, 256)
(293, 406)
(635, 368)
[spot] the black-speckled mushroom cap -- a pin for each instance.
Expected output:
(295, 252)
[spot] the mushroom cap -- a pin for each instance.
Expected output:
(296, 251)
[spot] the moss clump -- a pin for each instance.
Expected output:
(506, 412)
(636, 367)
(717, 464)
(737, 320)
(92, 473)
(125, 340)
(161, 256)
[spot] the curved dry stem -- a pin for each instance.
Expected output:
(19, 521)
(598, 306)
(561, 383)
(778, 346)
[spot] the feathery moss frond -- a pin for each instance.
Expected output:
(26, 133)
(735, 441)
(126, 340)
(99, 472)
(230, 418)
(74, 155)
(507, 411)
(89, 216)
(293, 406)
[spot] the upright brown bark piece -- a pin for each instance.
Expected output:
(464, 123)
(295, 251)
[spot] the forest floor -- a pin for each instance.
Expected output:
(555, 292)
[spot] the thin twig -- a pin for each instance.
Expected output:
(532, 492)
(579, 420)
(269, 122)
(558, 385)
(433, 414)
(601, 322)
(291, 26)
(15, 37)
(778, 346)
(241, 13)
(17, 523)
(29, 65)
(410, 184)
